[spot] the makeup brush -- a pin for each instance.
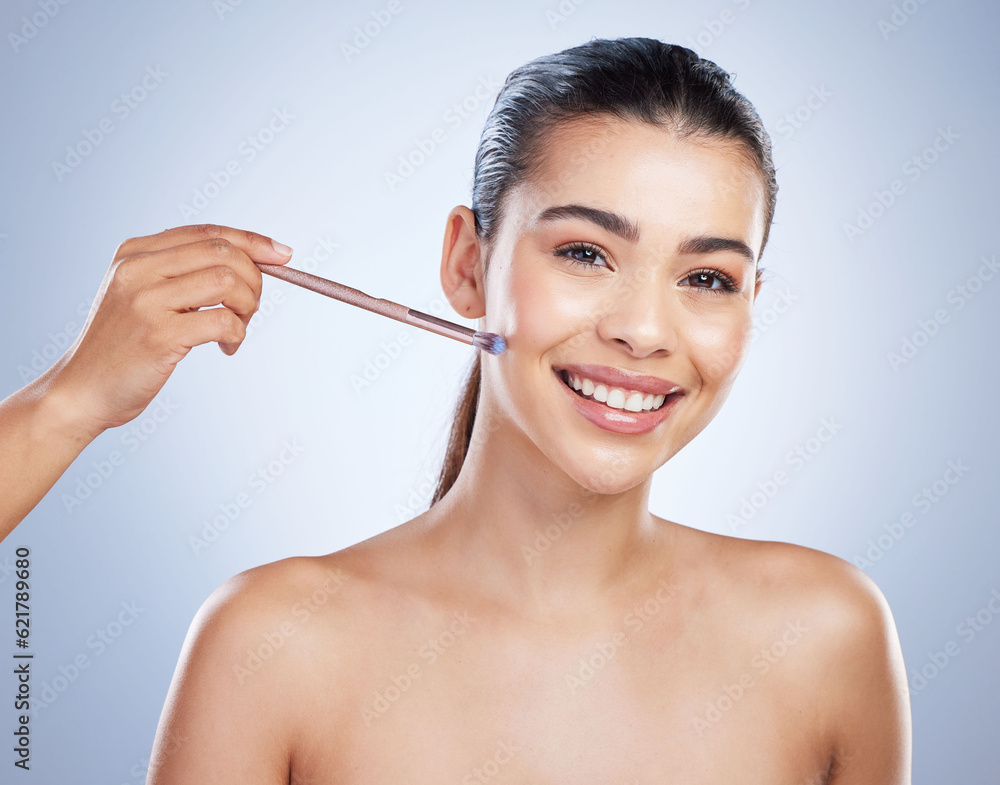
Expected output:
(488, 342)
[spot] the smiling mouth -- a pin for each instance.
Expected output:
(618, 398)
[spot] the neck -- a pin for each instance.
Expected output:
(527, 533)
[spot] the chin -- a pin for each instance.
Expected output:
(610, 476)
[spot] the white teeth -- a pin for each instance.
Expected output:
(634, 402)
(615, 397)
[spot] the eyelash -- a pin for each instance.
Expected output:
(728, 284)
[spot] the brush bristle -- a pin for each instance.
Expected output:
(489, 342)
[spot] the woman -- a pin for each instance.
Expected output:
(538, 623)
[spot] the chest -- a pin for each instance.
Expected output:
(629, 706)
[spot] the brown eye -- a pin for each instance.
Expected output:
(714, 281)
(704, 280)
(583, 255)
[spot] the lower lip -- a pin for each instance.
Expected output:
(619, 420)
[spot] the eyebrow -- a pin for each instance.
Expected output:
(612, 222)
(710, 244)
(628, 230)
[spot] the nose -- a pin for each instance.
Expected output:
(640, 316)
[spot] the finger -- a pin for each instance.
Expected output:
(211, 324)
(259, 247)
(184, 260)
(148, 268)
(218, 285)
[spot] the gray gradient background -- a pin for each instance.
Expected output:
(366, 455)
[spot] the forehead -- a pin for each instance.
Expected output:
(648, 172)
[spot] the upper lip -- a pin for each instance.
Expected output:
(626, 380)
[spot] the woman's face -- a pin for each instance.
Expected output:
(629, 252)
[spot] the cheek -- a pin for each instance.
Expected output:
(719, 345)
(539, 310)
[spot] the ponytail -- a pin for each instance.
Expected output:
(461, 432)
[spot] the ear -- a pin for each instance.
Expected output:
(461, 264)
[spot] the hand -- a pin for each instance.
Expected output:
(146, 317)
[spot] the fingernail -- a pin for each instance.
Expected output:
(284, 250)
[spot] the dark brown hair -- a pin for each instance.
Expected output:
(639, 79)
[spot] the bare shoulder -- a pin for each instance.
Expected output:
(233, 710)
(790, 575)
(269, 588)
(854, 669)
(844, 605)
(309, 597)
(283, 611)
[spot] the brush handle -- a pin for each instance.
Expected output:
(358, 298)
(336, 290)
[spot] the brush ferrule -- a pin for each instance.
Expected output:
(440, 326)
